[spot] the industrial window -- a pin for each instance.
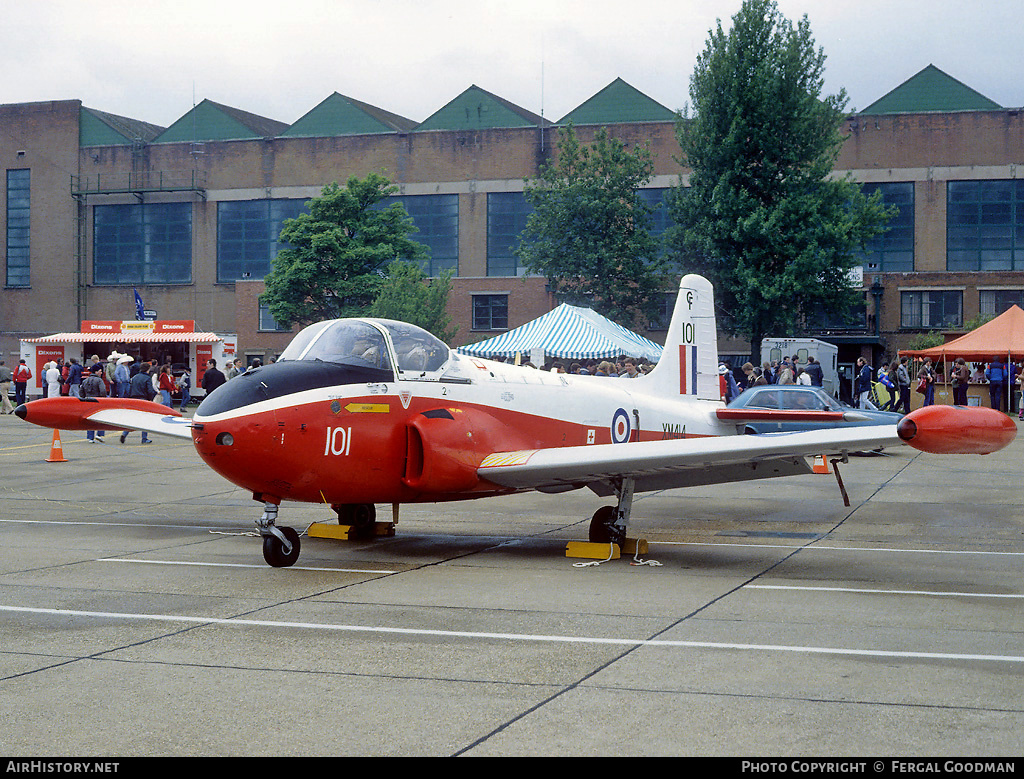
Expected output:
(892, 251)
(267, 323)
(18, 208)
(852, 317)
(490, 312)
(507, 213)
(931, 309)
(143, 243)
(436, 217)
(985, 225)
(249, 233)
(993, 302)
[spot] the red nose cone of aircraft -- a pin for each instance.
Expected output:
(957, 430)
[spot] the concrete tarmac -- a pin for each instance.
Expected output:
(137, 617)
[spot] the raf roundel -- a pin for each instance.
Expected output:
(620, 427)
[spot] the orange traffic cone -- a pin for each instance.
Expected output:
(821, 464)
(56, 450)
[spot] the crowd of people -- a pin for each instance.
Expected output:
(119, 376)
(897, 377)
(1003, 380)
(788, 370)
(784, 371)
(117, 373)
(624, 367)
(116, 376)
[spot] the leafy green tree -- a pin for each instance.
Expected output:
(409, 296)
(975, 322)
(925, 340)
(589, 232)
(337, 252)
(762, 217)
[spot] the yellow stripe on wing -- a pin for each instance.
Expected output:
(501, 459)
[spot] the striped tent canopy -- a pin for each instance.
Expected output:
(570, 333)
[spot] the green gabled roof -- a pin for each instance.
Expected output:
(618, 103)
(340, 115)
(210, 121)
(98, 128)
(478, 109)
(931, 90)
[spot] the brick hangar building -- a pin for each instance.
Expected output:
(95, 205)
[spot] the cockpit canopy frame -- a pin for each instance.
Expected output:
(408, 351)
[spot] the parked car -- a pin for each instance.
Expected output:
(796, 397)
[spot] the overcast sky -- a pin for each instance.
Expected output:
(147, 60)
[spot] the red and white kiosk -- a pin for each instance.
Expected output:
(157, 340)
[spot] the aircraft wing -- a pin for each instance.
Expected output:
(680, 462)
(714, 460)
(151, 422)
(70, 413)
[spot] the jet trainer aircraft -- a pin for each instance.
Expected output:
(358, 412)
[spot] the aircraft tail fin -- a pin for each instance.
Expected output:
(689, 362)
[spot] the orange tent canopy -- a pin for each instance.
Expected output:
(1002, 337)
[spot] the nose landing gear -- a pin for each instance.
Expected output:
(280, 544)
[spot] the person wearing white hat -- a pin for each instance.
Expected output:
(121, 377)
(726, 383)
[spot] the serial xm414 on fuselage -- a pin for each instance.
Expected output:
(358, 412)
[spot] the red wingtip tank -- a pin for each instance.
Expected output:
(69, 413)
(957, 430)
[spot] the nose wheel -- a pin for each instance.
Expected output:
(281, 553)
(280, 544)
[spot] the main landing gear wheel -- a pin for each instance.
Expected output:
(360, 516)
(276, 553)
(603, 529)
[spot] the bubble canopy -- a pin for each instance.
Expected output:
(335, 353)
(362, 343)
